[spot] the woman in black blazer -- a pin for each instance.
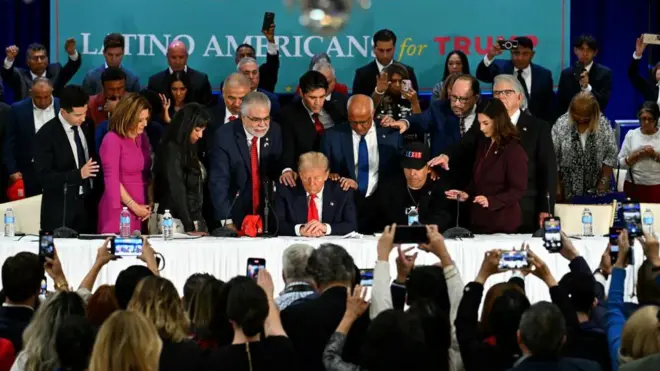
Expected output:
(647, 87)
(179, 175)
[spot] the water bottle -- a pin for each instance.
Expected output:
(168, 226)
(647, 221)
(10, 223)
(587, 223)
(413, 216)
(125, 223)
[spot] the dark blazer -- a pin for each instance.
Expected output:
(20, 80)
(338, 209)
(299, 132)
(268, 72)
(338, 99)
(19, 144)
(230, 174)
(274, 103)
(600, 79)
(13, 321)
(184, 355)
(56, 167)
(365, 78)
(542, 96)
(310, 323)
(438, 120)
(557, 364)
(92, 83)
(648, 89)
(199, 80)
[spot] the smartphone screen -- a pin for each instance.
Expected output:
(131, 246)
(516, 259)
(254, 265)
(366, 277)
(552, 234)
(46, 246)
(614, 243)
(411, 234)
(44, 287)
(632, 218)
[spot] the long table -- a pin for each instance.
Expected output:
(227, 257)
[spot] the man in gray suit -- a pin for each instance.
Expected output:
(113, 52)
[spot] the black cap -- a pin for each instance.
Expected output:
(415, 155)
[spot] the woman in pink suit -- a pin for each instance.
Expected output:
(126, 165)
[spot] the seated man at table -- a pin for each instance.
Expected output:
(316, 206)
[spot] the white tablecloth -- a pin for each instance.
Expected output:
(226, 258)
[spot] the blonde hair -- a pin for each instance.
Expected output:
(158, 300)
(314, 160)
(641, 334)
(126, 341)
(126, 115)
(585, 103)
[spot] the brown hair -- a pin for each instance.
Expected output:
(396, 68)
(127, 114)
(101, 305)
(504, 131)
(493, 293)
(585, 105)
(113, 40)
(653, 72)
(447, 84)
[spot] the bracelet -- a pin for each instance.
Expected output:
(377, 92)
(129, 203)
(60, 285)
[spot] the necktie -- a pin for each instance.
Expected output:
(82, 159)
(363, 166)
(232, 118)
(317, 123)
(462, 124)
(312, 211)
(254, 165)
(523, 83)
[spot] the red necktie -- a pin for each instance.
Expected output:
(312, 211)
(254, 164)
(317, 123)
(232, 118)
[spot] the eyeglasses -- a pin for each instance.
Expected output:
(506, 93)
(646, 119)
(259, 120)
(360, 123)
(462, 100)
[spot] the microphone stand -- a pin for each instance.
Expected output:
(223, 231)
(457, 232)
(267, 206)
(64, 231)
(541, 231)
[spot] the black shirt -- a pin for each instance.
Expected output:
(272, 353)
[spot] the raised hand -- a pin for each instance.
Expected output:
(382, 83)
(70, 46)
(639, 46)
(11, 52)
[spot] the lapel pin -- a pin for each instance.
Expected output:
(265, 144)
(429, 193)
(524, 129)
(383, 136)
(332, 203)
(495, 152)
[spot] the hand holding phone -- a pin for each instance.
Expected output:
(411, 234)
(513, 259)
(552, 234)
(269, 20)
(614, 244)
(366, 277)
(46, 246)
(254, 265)
(130, 246)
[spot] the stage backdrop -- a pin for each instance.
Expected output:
(426, 31)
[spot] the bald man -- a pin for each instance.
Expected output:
(177, 60)
(360, 154)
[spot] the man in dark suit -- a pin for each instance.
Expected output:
(361, 155)
(20, 80)
(5, 117)
(366, 76)
(248, 67)
(647, 87)
(587, 75)
(177, 59)
(315, 206)
(63, 157)
(113, 52)
(27, 117)
(535, 80)
(269, 70)
(310, 322)
(246, 153)
(305, 121)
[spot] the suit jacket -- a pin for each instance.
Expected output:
(13, 321)
(559, 364)
(600, 79)
(199, 80)
(299, 132)
(20, 79)
(274, 103)
(440, 122)
(56, 167)
(268, 72)
(338, 209)
(339, 100)
(20, 146)
(92, 82)
(541, 97)
(365, 78)
(645, 87)
(230, 179)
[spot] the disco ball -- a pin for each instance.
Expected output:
(325, 16)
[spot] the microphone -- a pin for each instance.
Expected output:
(457, 232)
(266, 205)
(64, 231)
(541, 231)
(270, 189)
(223, 231)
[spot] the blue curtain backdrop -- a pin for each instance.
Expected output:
(614, 23)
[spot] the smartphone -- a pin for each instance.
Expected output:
(46, 246)
(411, 234)
(121, 246)
(406, 85)
(632, 218)
(254, 265)
(44, 287)
(651, 39)
(514, 259)
(614, 243)
(269, 20)
(366, 277)
(552, 234)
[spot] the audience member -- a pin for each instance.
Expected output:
(235, 87)
(126, 160)
(648, 88)
(298, 284)
(27, 117)
(337, 93)
(315, 206)
(74, 342)
(248, 67)
(101, 105)
(101, 305)
(178, 94)
(201, 309)
(20, 80)
(398, 100)
(113, 53)
(179, 176)
(192, 285)
(585, 147)
(269, 70)
(447, 86)
(455, 63)
(127, 281)
(486, 330)
(640, 154)
(320, 62)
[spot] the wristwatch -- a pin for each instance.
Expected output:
(602, 272)
(59, 286)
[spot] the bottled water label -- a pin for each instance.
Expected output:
(648, 220)
(413, 219)
(125, 220)
(586, 219)
(9, 220)
(168, 223)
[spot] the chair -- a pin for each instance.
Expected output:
(571, 218)
(27, 213)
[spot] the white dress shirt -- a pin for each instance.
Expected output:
(185, 69)
(272, 48)
(318, 201)
(469, 119)
(588, 68)
(635, 56)
(515, 118)
(42, 116)
(7, 64)
(70, 134)
(372, 147)
(228, 114)
(526, 73)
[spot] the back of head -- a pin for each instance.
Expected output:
(427, 283)
(394, 341)
(436, 327)
(126, 341)
(543, 330)
(220, 328)
(247, 306)
(21, 277)
(101, 305)
(74, 342)
(203, 303)
(294, 262)
(493, 293)
(581, 289)
(641, 334)
(504, 319)
(72, 96)
(330, 263)
(648, 284)
(127, 281)
(193, 283)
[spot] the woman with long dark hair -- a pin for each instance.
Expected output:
(456, 62)
(179, 92)
(179, 175)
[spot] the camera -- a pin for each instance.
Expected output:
(508, 44)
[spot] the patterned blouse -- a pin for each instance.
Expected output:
(580, 166)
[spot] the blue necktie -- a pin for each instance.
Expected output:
(363, 167)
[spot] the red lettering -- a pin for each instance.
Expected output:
(535, 40)
(477, 45)
(468, 45)
(442, 41)
(462, 43)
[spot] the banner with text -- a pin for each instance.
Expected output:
(426, 30)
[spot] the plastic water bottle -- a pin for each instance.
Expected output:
(168, 226)
(125, 223)
(413, 216)
(647, 221)
(587, 223)
(10, 223)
